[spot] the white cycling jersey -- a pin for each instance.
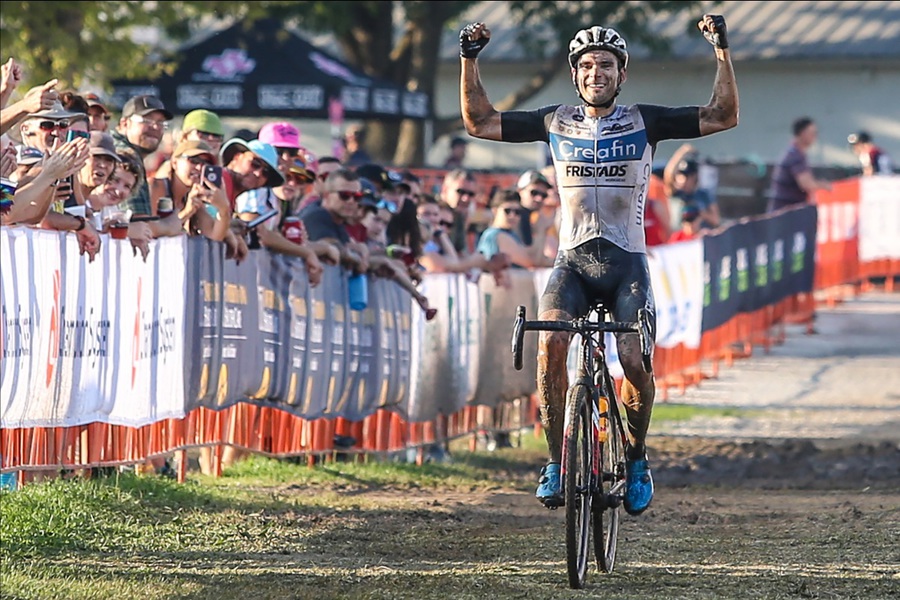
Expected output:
(602, 165)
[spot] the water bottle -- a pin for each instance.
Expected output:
(359, 291)
(7, 480)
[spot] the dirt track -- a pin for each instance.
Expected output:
(799, 498)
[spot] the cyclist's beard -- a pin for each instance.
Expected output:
(606, 104)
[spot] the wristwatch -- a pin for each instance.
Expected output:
(81, 223)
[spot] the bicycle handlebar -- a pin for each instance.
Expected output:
(585, 326)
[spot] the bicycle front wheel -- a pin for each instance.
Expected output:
(577, 483)
(611, 485)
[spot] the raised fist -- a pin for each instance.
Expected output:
(713, 28)
(472, 39)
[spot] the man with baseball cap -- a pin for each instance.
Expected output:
(98, 113)
(285, 138)
(204, 125)
(534, 225)
(141, 128)
(100, 165)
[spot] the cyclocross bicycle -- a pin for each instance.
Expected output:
(592, 472)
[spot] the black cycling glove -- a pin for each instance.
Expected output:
(469, 48)
(717, 36)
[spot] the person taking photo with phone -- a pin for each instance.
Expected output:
(198, 206)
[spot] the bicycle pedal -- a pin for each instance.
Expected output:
(553, 503)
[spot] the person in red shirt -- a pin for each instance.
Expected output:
(656, 229)
(690, 224)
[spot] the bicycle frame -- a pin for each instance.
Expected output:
(590, 485)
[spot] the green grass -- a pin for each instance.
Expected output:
(669, 411)
(129, 512)
(133, 536)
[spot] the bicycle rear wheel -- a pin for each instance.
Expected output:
(577, 483)
(611, 485)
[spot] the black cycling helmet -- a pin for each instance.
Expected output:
(598, 38)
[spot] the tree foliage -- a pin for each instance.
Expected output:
(91, 43)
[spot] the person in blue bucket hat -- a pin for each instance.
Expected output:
(249, 165)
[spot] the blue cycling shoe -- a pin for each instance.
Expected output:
(549, 490)
(638, 486)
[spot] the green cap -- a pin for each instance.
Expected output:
(203, 120)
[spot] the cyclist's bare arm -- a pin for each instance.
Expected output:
(722, 111)
(480, 117)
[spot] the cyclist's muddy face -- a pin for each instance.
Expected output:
(597, 76)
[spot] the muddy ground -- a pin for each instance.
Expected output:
(769, 520)
(798, 496)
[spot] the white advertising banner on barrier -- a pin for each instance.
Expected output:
(90, 341)
(676, 274)
(879, 217)
(30, 279)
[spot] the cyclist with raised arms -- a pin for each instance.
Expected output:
(602, 154)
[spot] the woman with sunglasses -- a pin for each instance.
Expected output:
(502, 235)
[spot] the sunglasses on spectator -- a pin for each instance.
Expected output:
(345, 196)
(152, 123)
(512, 211)
(464, 192)
(538, 194)
(389, 205)
(212, 137)
(197, 160)
(290, 152)
(297, 179)
(445, 223)
(51, 125)
(257, 164)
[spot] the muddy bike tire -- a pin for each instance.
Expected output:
(577, 483)
(611, 487)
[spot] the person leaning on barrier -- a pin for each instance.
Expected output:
(439, 255)
(459, 189)
(190, 195)
(253, 203)
(328, 221)
(313, 195)
(36, 187)
(536, 225)
(376, 216)
(504, 233)
(603, 254)
(141, 128)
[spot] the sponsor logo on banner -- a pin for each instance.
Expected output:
(778, 260)
(707, 284)
(762, 265)
(725, 278)
(742, 261)
(53, 347)
(798, 252)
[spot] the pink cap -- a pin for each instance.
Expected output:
(281, 135)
